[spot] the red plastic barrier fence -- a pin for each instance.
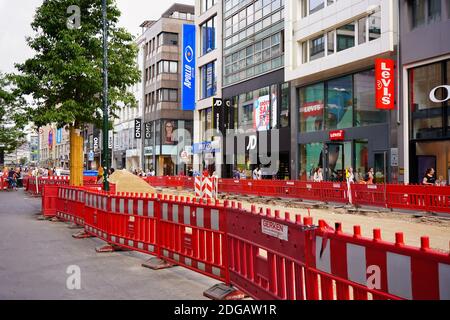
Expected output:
(3, 184)
(193, 235)
(344, 266)
(369, 194)
(70, 204)
(96, 214)
(266, 254)
(133, 222)
(49, 200)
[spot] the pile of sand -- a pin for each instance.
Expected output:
(128, 182)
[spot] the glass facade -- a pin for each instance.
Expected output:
(253, 38)
(429, 119)
(208, 80)
(209, 35)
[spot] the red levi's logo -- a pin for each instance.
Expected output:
(336, 135)
(384, 84)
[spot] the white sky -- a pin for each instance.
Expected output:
(17, 15)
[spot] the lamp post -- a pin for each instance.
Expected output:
(105, 156)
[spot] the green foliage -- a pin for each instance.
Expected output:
(12, 118)
(65, 77)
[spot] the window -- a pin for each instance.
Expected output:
(330, 44)
(375, 25)
(169, 95)
(434, 11)
(364, 100)
(209, 35)
(362, 30)
(316, 5)
(208, 80)
(311, 108)
(426, 115)
(206, 4)
(165, 66)
(317, 48)
(167, 38)
(345, 36)
(339, 106)
(417, 13)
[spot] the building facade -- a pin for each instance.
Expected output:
(208, 22)
(258, 115)
(164, 112)
(425, 87)
(128, 145)
(331, 50)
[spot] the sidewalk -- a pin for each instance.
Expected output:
(35, 255)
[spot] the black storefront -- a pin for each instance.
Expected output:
(257, 118)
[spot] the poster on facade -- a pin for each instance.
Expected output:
(59, 135)
(274, 106)
(168, 129)
(188, 68)
(261, 113)
(50, 139)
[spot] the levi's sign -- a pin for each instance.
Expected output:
(336, 135)
(384, 83)
(274, 229)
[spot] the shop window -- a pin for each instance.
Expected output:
(345, 36)
(339, 107)
(284, 106)
(310, 158)
(311, 108)
(364, 100)
(426, 115)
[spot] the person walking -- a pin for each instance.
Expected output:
(350, 178)
(259, 174)
(429, 178)
(369, 176)
(255, 173)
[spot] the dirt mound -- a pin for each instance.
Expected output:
(128, 182)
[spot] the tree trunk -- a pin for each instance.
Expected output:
(76, 157)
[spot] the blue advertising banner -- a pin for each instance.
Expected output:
(59, 135)
(188, 68)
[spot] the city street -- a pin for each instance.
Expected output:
(35, 255)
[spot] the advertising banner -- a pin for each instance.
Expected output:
(188, 68)
(261, 113)
(168, 129)
(384, 84)
(59, 135)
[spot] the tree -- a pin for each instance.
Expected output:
(12, 120)
(64, 77)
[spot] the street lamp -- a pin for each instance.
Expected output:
(105, 156)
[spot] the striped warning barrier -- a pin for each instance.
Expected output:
(198, 187)
(133, 222)
(96, 218)
(70, 204)
(193, 235)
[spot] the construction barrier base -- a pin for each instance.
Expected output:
(110, 248)
(73, 225)
(82, 235)
(221, 291)
(41, 217)
(55, 219)
(157, 264)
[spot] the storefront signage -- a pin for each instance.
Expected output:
(311, 109)
(137, 128)
(218, 111)
(337, 135)
(261, 113)
(91, 156)
(95, 144)
(204, 147)
(188, 68)
(274, 229)
(252, 142)
(148, 151)
(384, 84)
(433, 94)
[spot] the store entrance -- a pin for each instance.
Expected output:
(380, 167)
(334, 162)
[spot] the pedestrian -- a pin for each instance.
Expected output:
(318, 175)
(12, 179)
(259, 174)
(368, 179)
(429, 178)
(350, 177)
(255, 173)
(441, 182)
(242, 174)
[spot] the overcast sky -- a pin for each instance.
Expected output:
(16, 16)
